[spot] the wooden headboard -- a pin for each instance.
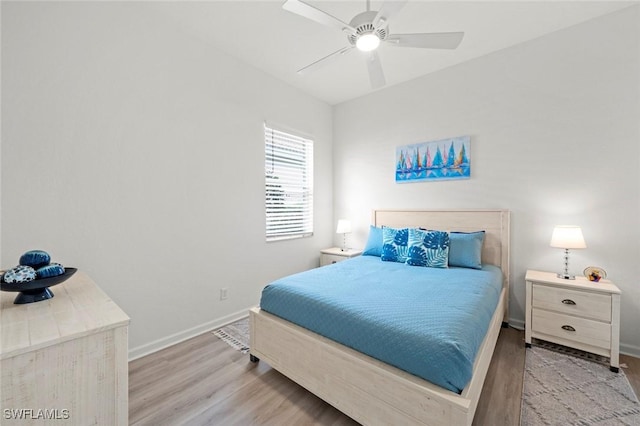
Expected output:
(495, 223)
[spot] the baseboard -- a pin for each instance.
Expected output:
(173, 339)
(630, 350)
(516, 323)
(165, 342)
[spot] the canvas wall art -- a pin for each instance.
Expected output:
(444, 159)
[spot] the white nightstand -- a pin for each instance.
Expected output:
(577, 313)
(335, 254)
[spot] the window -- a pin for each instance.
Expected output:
(288, 185)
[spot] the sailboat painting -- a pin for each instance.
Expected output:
(444, 159)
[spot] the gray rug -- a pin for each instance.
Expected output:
(235, 335)
(563, 389)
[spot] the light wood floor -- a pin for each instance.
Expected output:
(203, 381)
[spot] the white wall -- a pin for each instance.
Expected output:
(555, 138)
(136, 154)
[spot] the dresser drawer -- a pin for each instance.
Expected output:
(585, 304)
(589, 332)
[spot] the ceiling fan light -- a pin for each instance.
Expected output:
(368, 42)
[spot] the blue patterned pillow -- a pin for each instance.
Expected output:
(374, 242)
(428, 248)
(395, 244)
(466, 249)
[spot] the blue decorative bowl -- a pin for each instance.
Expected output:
(36, 290)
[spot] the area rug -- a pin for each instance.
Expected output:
(565, 389)
(235, 335)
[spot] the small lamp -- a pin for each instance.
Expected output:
(567, 237)
(344, 227)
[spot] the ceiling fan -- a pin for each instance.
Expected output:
(366, 31)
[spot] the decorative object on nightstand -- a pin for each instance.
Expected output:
(336, 254)
(595, 274)
(344, 228)
(579, 313)
(567, 237)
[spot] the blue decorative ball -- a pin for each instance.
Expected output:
(52, 270)
(19, 275)
(35, 258)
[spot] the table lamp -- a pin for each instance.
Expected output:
(344, 227)
(567, 237)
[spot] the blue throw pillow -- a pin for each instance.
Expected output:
(465, 249)
(374, 243)
(428, 248)
(395, 244)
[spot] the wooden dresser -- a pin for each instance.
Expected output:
(64, 360)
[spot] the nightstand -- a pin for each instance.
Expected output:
(335, 255)
(577, 313)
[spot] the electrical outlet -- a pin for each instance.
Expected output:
(223, 294)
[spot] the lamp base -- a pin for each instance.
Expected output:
(566, 276)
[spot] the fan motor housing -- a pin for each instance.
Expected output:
(363, 23)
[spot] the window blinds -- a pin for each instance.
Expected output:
(288, 185)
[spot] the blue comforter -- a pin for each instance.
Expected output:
(429, 322)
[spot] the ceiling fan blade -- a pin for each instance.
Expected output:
(427, 40)
(324, 61)
(376, 75)
(307, 11)
(388, 10)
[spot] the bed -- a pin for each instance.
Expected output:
(372, 391)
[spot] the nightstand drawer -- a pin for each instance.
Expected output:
(328, 259)
(335, 255)
(589, 332)
(581, 303)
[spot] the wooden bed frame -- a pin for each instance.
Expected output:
(370, 391)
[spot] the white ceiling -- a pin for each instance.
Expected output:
(279, 42)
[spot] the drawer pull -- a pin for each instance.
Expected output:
(568, 328)
(568, 302)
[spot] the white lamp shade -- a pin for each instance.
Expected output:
(567, 237)
(344, 226)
